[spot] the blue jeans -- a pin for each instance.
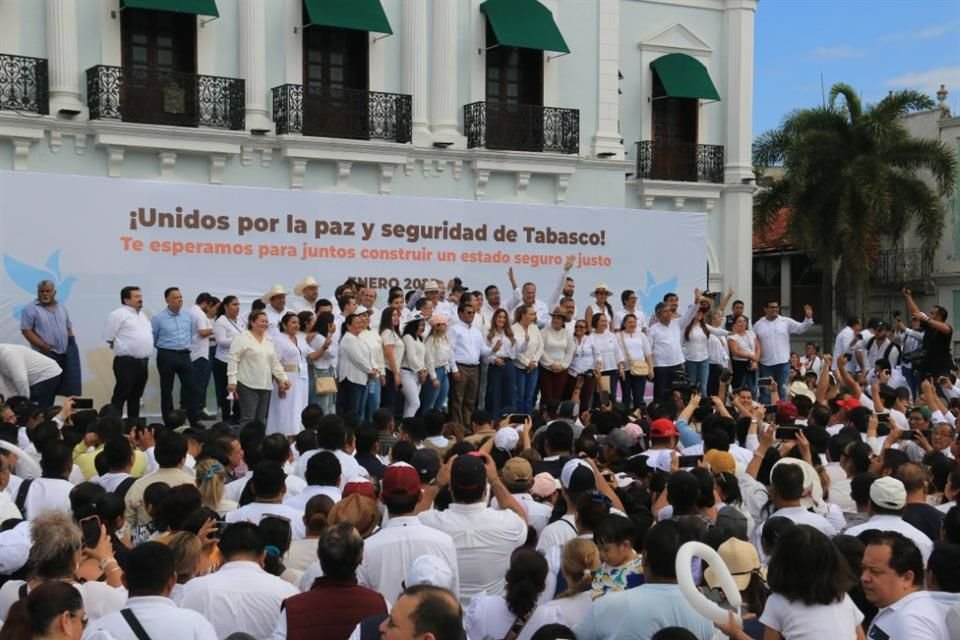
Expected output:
(431, 398)
(351, 398)
(374, 389)
(699, 374)
(501, 388)
(328, 402)
(780, 373)
(526, 388)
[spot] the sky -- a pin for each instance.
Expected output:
(873, 45)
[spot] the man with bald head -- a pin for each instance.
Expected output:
(424, 612)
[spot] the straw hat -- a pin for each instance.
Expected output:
(741, 559)
(600, 287)
(275, 290)
(307, 282)
(358, 510)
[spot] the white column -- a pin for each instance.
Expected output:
(736, 91)
(443, 81)
(62, 54)
(253, 62)
(607, 137)
(415, 67)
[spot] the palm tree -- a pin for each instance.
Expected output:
(850, 181)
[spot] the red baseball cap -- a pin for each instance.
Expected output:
(400, 479)
(662, 428)
(849, 403)
(360, 487)
(787, 413)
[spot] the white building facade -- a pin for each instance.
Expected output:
(634, 104)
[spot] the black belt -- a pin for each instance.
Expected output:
(174, 350)
(468, 366)
(408, 369)
(134, 358)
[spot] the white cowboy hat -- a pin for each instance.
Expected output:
(307, 282)
(275, 290)
(431, 285)
(414, 318)
(600, 287)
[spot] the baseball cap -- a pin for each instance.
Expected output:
(662, 428)
(922, 411)
(849, 403)
(787, 413)
(360, 487)
(620, 440)
(468, 472)
(720, 461)
(506, 439)
(544, 485)
(427, 464)
(888, 493)
(741, 559)
(516, 471)
(400, 480)
(430, 570)
(577, 476)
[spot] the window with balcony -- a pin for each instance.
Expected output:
(513, 115)
(24, 84)
(673, 152)
(157, 82)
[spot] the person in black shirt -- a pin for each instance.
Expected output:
(917, 512)
(937, 338)
(368, 446)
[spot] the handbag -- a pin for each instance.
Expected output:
(325, 385)
(637, 367)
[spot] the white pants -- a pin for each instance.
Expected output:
(410, 387)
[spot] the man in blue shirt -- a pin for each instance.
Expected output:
(172, 335)
(46, 326)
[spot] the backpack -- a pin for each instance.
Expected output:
(21, 499)
(886, 354)
(124, 487)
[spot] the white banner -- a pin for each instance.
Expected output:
(92, 236)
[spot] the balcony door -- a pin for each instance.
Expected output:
(514, 108)
(335, 73)
(674, 135)
(159, 67)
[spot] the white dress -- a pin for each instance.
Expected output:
(283, 415)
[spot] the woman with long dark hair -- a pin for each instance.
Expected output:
(252, 367)
(325, 342)
(696, 350)
(527, 360)
(501, 374)
(608, 366)
(601, 306)
(744, 355)
(638, 357)
(393, 348)
(580, 374)
(52, 611)
(413, 369)
(226, 327)
(492, 617)
(295, 354)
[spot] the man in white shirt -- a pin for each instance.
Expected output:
(846, 342)
(892, 579)
(274, 448)
(241, 596)
(881, 347)
(332, 437)
(308, 293)
(527, 294)
(130, 335)
(888, 498)
(149, 578)
(774, 331)
(468, 347)
(786, 491)
(268, 484)
(51, 491)
(276, 301)
(323, 479)
(484, 537)
(388, 554)
(517, 474)
(22, 369)
(491, 304)
(666, 343)
(566, 287)
(200, 351)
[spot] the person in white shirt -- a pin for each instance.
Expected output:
(580, 374)
(600, 294)
(323, 477)
(786, 491)
(666, 343)
(881, 347)
(557, 353)
(355, 368)
(269, 487)
(517, 474)
(811, 360)
(774, 331)
(240, 596)
(629, 299)
(438, 357)
(51, 491)
(150, 577)
(493, 616)
(484, 537)
(276, 301)
(888, 497)
(413, 365)
(846, 343)
(608, 366)
(468, 348)
(501, 372)
(22, 369)
(637, 356)
(252, 367)
(527, 294)
(130, 335)
(326, 342)
(226, 327)
(892, 579)
(307, 293)
(371, 337)
(391, 340)
(529, 352)
(200, 347)
(388, 554)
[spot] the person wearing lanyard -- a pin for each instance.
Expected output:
(226, 327)
(129, 334)
(172, 336)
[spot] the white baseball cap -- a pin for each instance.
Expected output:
(430, 570)
(506, 439)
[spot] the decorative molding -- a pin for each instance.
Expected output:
(115, 161)
(386, 177)
(678, 202)
(217, 163)
(168, 161)
(21, 153)
(298, 169)
(563, 182)
(648, 202)
(266, 157)
(80, 144)
(246, 155)
(523, 181)
(678, 191)
(56, 140)
(709, 204)
(426, 166)
(676, 39)
(480, 185)
(457, 168)
(343, 173)
(408, 166)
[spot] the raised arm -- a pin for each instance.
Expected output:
(846, 378)
(914, 308)
(823, 383)
(726, 300)
(558, 292)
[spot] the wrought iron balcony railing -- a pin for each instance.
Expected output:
(896, 267)
(337, 112)
(153, 96)
(679, 161)
(23, 84)
(521, 127)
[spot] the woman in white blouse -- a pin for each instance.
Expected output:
(227, 326)
(493, 617)
(557, 354)
(719, 352)
(744, 355)
(529, 350)
(251, 368)
(636, 353)
(580, 376)
(413, 367)
(325, 344)
(629, 299)
(696, 351)
(501, 374)
(601, 306)
(286, 404)
(392, 357)
(579, 561)
(608, 354)
(439, 358)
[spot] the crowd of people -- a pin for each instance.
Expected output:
(455, 466)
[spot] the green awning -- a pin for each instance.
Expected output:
(684, 77)
(195, 7)
(363, 15)
(524, 23)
